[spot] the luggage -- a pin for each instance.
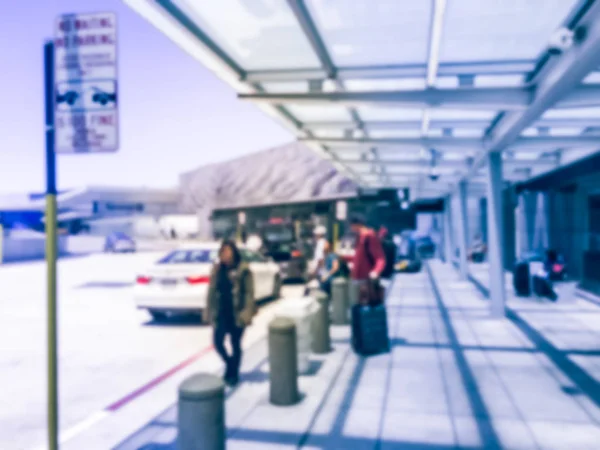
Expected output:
(521, 279)
(371, 293)
(369, 330)
(389, 248)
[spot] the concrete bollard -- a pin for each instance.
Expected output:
(201, 415)
(354, 292)
(321, 340)
(339, 301)
(283, 362)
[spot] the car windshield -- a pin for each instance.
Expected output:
(190, 256)
(279, 235)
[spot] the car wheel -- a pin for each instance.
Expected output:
(158, 316)
(277, 287)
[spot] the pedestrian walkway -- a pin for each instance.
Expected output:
(454, 379)
(545, 355)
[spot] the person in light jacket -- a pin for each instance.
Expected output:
(230, 307)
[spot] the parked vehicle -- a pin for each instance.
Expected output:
(407, 258)
(425, 246)
(104, 97)
(281, 245)
(119, 242)
(69, 97)
(178, 282)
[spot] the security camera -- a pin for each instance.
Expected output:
(561, 40)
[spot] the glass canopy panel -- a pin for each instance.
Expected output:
(446, 82)
(400, 84)
(410, 167)
(500, 30)
(283, 87)
(467, 132)
(403, 154)
(566, 131)
(258, 35)
(529, 132)
(359, 33)
(382, 134)
(407, 157)
(460, 114)
(456, 156)
(328, 133)
(312, 113)
(526, 156)
(573, 113)
(390, 113)
(347, 153)
(592, 78)
(499, 80)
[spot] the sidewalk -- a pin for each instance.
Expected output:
(454, 379)
(544, 358)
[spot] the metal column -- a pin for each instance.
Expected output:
(495, 237)
(520, 228)
(463, 229)
(448, 236)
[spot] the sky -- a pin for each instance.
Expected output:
(175, 115)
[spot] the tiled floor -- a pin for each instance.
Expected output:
(454, 379)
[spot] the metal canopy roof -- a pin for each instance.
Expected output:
(394, 90)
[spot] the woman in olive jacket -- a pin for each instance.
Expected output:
(230, 306)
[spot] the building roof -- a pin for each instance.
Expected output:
(391, 90)
(283, 174)
(37, 201)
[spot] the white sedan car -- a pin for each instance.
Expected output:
(178, 282)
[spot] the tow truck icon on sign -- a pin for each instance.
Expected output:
(102, 97)
(69, 97)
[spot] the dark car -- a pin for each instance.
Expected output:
(425, 246)
(69, 97)
(104, 97)
(119, 242)
(280, 244)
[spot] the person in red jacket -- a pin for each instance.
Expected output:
(369, 257)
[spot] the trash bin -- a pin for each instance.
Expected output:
(300, 310)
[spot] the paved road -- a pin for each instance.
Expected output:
(107, 348)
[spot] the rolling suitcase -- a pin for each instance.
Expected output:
(369, 329)
(521, 281)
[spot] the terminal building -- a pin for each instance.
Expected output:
(84, 208)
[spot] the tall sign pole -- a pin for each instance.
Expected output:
(51, 247)
(80, 80)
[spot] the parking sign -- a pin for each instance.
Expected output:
(86, 100)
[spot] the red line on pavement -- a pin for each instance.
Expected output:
(156, 381)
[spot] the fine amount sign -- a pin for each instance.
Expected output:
(86, 101)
